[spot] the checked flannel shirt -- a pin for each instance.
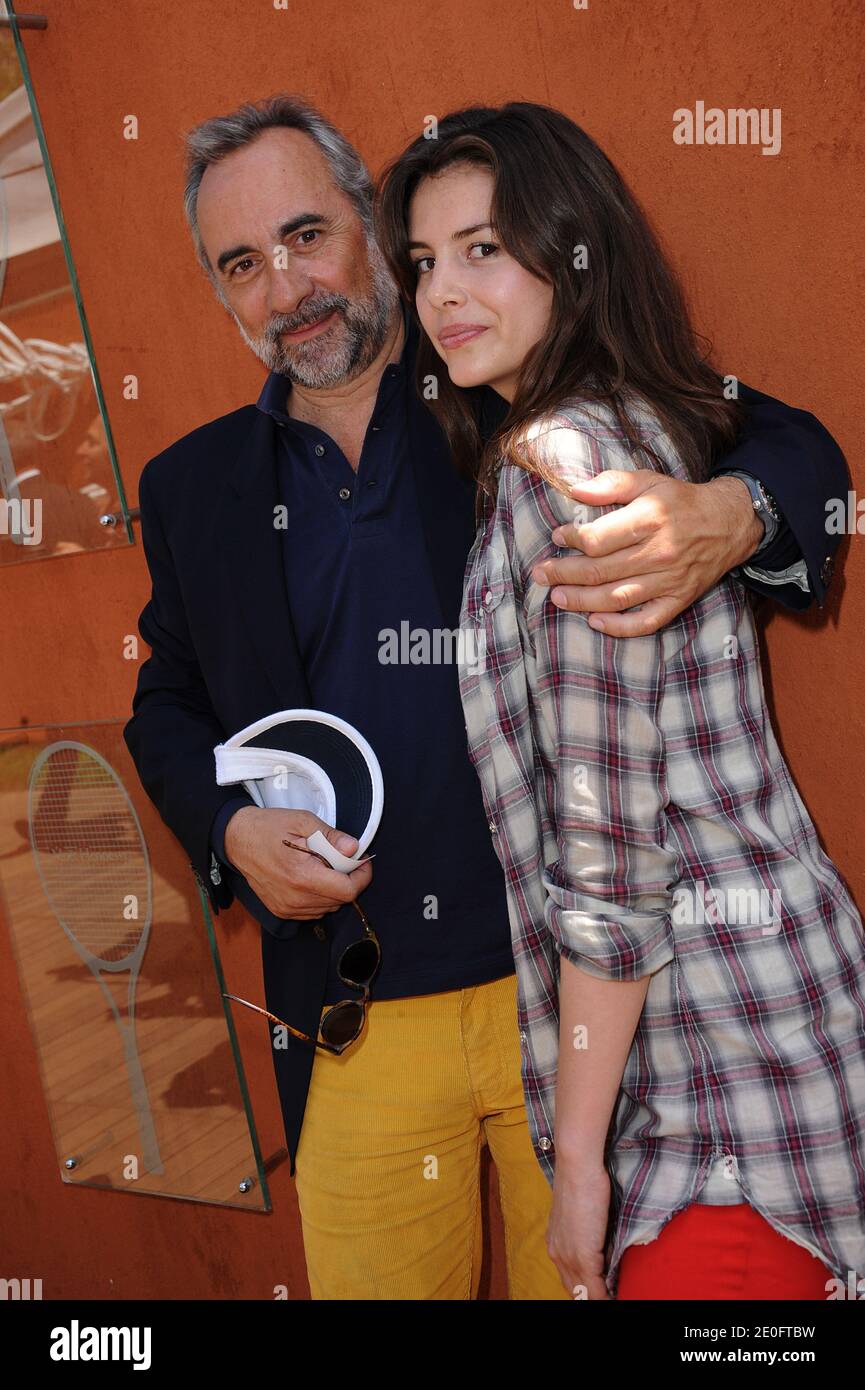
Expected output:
(647, 824)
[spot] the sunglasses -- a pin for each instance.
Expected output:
(343, 1022)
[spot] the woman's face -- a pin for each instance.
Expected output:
(480, 308)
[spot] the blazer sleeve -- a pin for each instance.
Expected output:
(800, 463)
(610, 889)
(173, 729)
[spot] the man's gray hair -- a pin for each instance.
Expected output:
(211, 141)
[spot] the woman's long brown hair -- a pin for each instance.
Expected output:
(617, 327)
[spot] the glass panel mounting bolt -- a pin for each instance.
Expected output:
(247, 1184)
(113, 519)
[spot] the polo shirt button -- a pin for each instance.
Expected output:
(345, 493)
(319, 449)
(545, 1144)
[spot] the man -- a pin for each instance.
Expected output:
(283, 540)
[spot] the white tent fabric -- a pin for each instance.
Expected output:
(29, 221)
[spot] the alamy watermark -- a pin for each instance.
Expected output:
(18, 1290)
(845, 516)
(436, 646)
(699, 903)
(735, 126)
(22, 519)
(85, 1343)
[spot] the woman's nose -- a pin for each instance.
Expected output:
(443, 290)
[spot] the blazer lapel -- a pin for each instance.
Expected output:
(252, 549)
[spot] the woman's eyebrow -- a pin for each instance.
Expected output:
(455, 236)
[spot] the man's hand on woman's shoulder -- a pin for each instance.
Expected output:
(668, 542)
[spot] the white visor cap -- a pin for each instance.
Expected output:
(307, 760)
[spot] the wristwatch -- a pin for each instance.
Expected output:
(764, 505)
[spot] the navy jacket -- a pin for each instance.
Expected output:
(223, 651)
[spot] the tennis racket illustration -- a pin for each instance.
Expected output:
(90, 855)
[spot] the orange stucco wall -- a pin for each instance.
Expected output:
(770, 249)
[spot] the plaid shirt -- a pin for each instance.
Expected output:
(647, 824)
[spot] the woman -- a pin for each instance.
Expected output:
(690, 964)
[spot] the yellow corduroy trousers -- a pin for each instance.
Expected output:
(388, 1167)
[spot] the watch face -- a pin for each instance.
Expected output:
(769, 501)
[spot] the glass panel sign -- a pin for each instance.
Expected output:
(120, 973)
(58, 471)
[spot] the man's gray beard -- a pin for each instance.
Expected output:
(344, 349)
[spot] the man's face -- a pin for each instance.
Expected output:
(310, 294)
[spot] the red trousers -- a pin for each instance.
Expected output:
(720, 1252)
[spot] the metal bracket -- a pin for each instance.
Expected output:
(24, 21)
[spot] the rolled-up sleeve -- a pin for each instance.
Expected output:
(598, 700)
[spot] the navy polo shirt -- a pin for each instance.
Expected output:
(357, 570)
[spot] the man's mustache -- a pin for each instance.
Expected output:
(291, 323)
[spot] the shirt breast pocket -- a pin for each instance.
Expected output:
(491, 613)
